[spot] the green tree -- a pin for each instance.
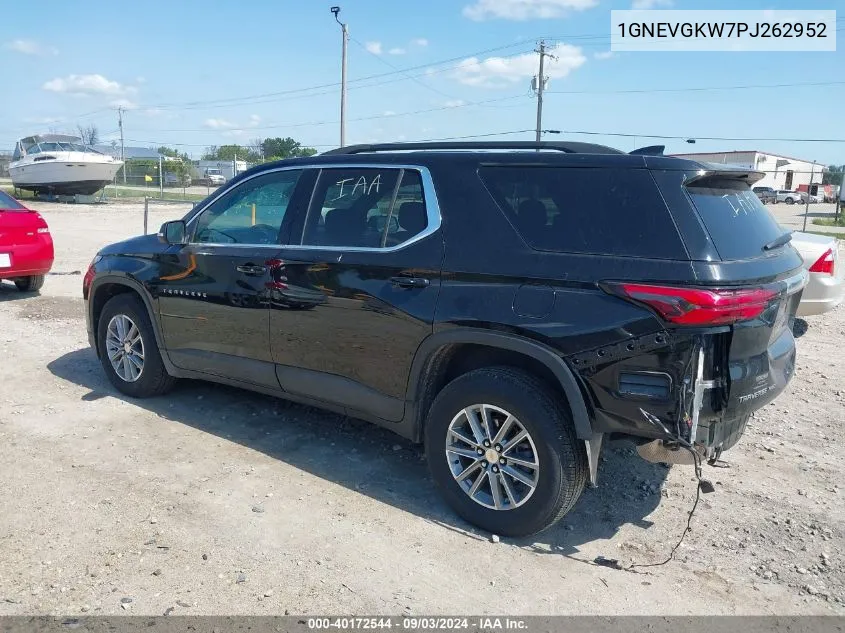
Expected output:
(231, 152)
(279, 148)
(173, 153)
(833, 175)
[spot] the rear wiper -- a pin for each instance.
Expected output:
(778, 241)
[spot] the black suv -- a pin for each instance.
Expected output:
(508, 304)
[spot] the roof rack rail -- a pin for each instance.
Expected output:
(572, 147)
(651, 150)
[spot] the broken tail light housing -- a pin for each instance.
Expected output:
(824, 264)
(698, 306)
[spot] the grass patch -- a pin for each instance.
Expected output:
(123, 193)
(839, 236)
(169, 194)
(834, 221)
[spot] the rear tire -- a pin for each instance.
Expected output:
(142, 374)
(560, 462)
(33, 283)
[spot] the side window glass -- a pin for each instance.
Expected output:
(251, 213)
(369, 208)
(351, 207)
(409, 217)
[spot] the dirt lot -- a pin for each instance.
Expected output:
(218, 501)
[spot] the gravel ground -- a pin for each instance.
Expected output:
(218, 501)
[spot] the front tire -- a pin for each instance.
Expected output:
(33, 283)
(539, 468)
(128, 350)
(790, 201)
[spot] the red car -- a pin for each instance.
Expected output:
(26, 247)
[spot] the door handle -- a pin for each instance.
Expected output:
(409, 282)
(251, 269)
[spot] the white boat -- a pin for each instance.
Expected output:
(60, 164)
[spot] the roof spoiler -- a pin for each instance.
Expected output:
(651, 150)
(709, 171)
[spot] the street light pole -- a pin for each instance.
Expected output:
(345, 31)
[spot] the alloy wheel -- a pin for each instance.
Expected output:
(492, 457)
(125, 348)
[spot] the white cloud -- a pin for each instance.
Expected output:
(499, 72)
(31, 47)
(126, 104)
(396, 51)
(454, 103)
(651, 4)
(373, 47)
(524, 9)
(604, 55)
(87, 85)
(388, 113)
(47, 120)
(218, 124)
(420, 41)
(232, 129)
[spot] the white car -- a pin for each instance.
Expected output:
(826, 287)
(790, 197)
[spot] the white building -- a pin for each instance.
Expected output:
(782, 172)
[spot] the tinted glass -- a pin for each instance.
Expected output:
(8, 203)
(251, 213)
(351, 207)
(408, 216)
(605, 211)
(739, 224)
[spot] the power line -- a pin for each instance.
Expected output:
(363, 118)
(701, 89)
(429, 67)
(707, 138)
(394, 67)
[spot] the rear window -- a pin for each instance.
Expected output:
(8, 203)
(603, 211)
(738, 223)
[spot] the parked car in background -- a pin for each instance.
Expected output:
(767, 195)
(172, 179)
(26, 247)
(790, 197)
(826, 287)
(579, 293)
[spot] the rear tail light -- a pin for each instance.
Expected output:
(697, 306)
(824, 264)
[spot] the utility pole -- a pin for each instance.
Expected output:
(540, 86)
(122, 150)
(345, 31)
(809, 188)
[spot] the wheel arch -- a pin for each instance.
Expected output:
(429, 371)
(108, 286)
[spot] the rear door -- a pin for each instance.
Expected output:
(355, 296)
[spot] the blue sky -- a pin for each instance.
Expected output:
(183, 70)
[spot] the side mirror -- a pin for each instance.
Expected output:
(174, 232)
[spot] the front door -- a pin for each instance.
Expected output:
(353, 301)
(213, 295)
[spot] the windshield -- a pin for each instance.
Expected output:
(739, 224)
(8, 203)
